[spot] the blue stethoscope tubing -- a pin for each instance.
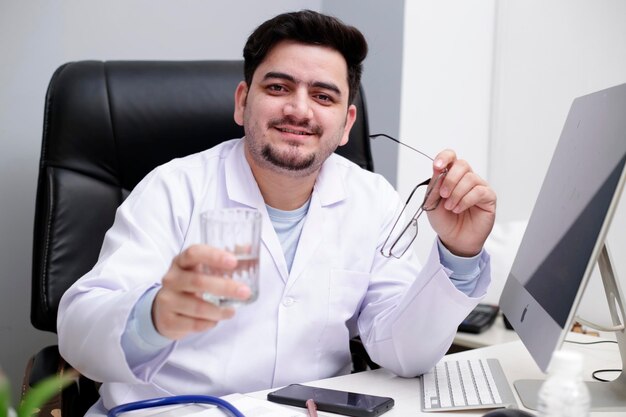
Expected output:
(178, 399)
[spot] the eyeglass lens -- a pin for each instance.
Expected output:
(424, 197)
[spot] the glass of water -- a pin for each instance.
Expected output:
(237, 230)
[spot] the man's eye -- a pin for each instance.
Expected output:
(324, 98)
(276, 88)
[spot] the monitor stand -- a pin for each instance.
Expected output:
(605, 396)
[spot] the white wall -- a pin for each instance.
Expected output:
(547, 54)
(446, 89)
(494, 80)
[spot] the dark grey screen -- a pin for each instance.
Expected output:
(573, 203)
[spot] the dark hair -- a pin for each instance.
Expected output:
(312, 28)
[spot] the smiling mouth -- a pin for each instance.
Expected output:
(291, 126)
(293, 131)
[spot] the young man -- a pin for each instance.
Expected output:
(137, 321)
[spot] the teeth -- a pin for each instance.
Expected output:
(295, 132)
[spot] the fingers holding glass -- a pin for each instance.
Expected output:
(178, 308)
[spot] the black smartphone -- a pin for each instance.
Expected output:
(339, 402)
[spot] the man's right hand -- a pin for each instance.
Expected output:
(178, 308)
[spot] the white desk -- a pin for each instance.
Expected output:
(495, 335)
(516, 363)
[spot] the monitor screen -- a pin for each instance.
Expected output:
(569, 222)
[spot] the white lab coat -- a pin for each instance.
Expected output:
(298, 330)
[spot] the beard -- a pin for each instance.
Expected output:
(289, 160)
(292, 160)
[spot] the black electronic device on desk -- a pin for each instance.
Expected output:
(479, 319)
(334, 401)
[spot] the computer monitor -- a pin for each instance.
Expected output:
(565, 237)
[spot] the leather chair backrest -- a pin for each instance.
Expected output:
(106, 125)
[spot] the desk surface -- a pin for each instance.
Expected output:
(494, 335)
(516, 363)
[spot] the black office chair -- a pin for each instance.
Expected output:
(106, 125)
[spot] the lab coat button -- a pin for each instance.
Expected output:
(288, 301)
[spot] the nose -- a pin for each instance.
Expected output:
(298, 106)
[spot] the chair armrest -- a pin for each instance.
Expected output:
(75, 399)
(361, 361)
(45, 363)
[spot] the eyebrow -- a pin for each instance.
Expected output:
(319, 84)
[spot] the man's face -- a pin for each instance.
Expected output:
(295, 113)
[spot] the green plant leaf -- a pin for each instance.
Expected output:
(42, 392)
(5, 394)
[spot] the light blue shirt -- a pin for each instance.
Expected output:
(288, 227)
(141, 340)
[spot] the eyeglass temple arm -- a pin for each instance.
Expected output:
(376, 135)
(425, 182)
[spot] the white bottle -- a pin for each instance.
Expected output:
(564, 394)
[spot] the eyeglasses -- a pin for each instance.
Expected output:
(402, 235)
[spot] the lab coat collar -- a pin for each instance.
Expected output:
(329, 189)
(242, 187)
(330, 186)
(240, 183)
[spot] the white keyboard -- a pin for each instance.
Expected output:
(466, 384)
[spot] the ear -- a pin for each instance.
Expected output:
(241, 94)
(350, 119)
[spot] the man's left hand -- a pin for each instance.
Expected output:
(467, 210)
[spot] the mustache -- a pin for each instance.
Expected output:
(304, 124)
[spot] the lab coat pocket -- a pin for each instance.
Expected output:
(346, 293)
